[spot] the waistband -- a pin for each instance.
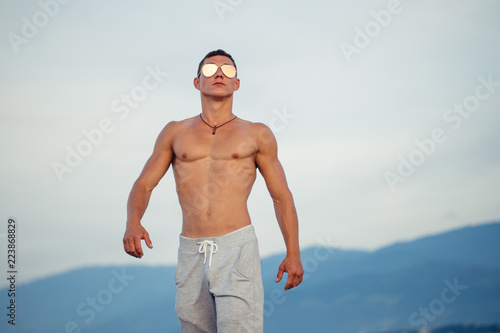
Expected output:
(232, 239)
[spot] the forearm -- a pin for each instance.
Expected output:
(286, 215)
(138, 201)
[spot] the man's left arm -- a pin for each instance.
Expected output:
(274, 176)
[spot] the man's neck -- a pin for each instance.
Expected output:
(217, 111)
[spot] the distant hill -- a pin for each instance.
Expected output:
(459, 329)
(446, 279)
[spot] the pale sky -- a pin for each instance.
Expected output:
(347, 87)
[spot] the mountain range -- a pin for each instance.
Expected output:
(445, 279)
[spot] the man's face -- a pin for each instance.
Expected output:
(218, 85)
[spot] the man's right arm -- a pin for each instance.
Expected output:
(155, 168)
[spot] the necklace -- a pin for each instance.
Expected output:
(216, 127)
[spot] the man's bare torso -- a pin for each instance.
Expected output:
(214, 175)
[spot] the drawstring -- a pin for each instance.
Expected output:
(203, 249)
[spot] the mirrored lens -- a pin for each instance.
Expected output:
(209, 69)
(229, 71)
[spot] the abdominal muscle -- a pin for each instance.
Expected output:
(213, 194)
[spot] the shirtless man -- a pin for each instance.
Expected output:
(214, 157)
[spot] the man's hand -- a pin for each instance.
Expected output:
(293, 266)
(132, 240)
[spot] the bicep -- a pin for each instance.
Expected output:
(159, 162)
(270, 166)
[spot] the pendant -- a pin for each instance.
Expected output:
(213, 132)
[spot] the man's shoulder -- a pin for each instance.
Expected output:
(260, 132)
(172, 128)
(175, 125)
(254, 126)
(180, 123)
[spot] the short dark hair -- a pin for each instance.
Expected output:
(215, 53)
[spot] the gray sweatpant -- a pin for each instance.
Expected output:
(219, 283)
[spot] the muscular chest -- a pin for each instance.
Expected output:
(195, 144)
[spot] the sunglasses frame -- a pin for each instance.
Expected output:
(222, 69)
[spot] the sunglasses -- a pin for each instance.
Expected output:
(209, 70)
